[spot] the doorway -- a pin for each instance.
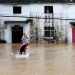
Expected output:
(17, 34)
(73, 35)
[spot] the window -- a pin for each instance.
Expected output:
(16, 10)
(48, 9)
(48, 32)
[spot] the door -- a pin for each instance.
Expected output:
(73, 35)
(17, 34)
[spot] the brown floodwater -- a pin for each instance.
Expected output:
(44, 59)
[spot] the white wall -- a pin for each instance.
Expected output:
(64, 10)
(8, 31)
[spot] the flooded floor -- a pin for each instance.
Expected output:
(44, 59)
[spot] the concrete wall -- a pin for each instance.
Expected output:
(59, 10)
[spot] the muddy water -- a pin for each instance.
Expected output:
(44, 59)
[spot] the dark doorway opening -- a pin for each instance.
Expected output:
(17, 34)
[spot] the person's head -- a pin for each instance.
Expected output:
(23, 33)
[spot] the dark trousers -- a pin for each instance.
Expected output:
(22, 49)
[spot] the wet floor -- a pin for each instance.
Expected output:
(44, 59)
